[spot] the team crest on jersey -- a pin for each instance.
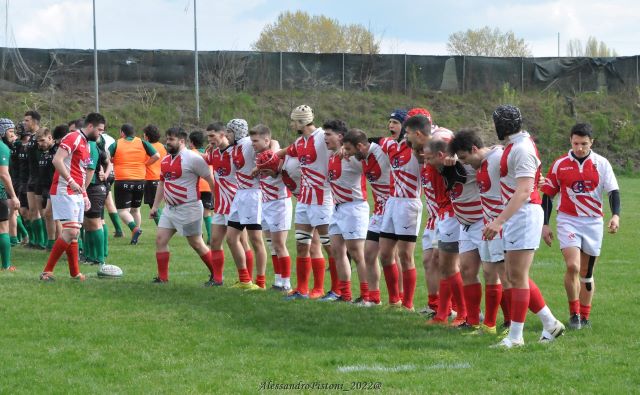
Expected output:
(372, 171)
(582, 186)
(483, 186)
(307, 151)
(238, 157)
(335, 168)
(456, 191)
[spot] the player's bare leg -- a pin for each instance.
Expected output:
(218, 234)
(66, 243)
(52, 231)
(587, 287)
(572, 284)
(390, 269)
(450, 287)
(371, 249)
(255, 238)
(279, 245)
(163, 235)
(432, 280)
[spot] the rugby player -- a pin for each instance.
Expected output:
(152, 171)
(196, 144)
(8, 197)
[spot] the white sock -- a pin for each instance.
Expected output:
(286, 282)
(278, 280)
(515, 331)
(547, 318)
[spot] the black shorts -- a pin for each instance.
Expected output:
(32, 186)
(393, 236)
(41, 189)
(239, 226)
(150, 188)
(97, 194)
(128, 194)
(207, 200)
(4, 210)
(373, 236)
(45, 197)
(22, 195)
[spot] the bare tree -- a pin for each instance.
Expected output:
(487, 42)
(592, 48)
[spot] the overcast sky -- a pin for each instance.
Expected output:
(413, 27)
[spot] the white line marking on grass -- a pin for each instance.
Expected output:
(401, 368)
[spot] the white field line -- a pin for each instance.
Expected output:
(401, 368)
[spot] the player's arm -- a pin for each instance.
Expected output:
(274, 146)
(547, 208)
(614, 204)
(154, 156)
(5, 177)
(58, 164)
(108, 170)
(524, 186)
(157, 201)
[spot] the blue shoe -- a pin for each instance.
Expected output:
(295, 295)
(330, 297)
(135, 235)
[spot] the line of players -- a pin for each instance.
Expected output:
(326, 170)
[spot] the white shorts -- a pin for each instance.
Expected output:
(219, 219)
(350, 220)
(375, 222)
(276, 215)
(185, 218)
(584, 233)
(430, 234)
(448, 230)
(246, 207)
(69, 207)
(470, 237)
(492, 251)
(402, 217)
(313, 214)
(523, 230)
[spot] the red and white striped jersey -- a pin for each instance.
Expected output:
(243, 158)
(436, 197)
(463, 192)
(224, 174)
(273, 188)
(180, 174)
(488, 179)
(377, 170)
(581, 185)
(313, 155)
(346, 179)
(76, 163)
(291, 174)
(405, 169)
(520, 159)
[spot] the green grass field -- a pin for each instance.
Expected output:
(131, 336)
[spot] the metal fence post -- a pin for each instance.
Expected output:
(464, 72)
(343, 71)
(522, 75)
(637, 74)
(405, 73)
(280, 70)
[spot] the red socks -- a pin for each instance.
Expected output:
(248, 257)
(72, 258)
(536, 303)
(585, 311)
(409, 284)
(505, 304)
(345, 290)
(318, 272)
(59, 247)
(303, 268)
(217, 259)
(458, 295)
(276, 264)
(333, 271)
(492, 299)
(574, 307)
(364, 290)
(208, 261)
(374, 296)
(445, 300)
(391, 278)
(261, 280)
(519, 303)
(285, 266)
(243, 276)
(472, 300)
(433, 301)
(162, 259)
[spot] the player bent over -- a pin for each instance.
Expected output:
(178, 187)
(521, 225)
(68, 195)
(580, 177)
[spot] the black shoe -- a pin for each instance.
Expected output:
(158, 280)
(585, 323)
(465, 325)
(276, 288)
(118, 235)
(359, 300)
(574, 322)
(213, 283)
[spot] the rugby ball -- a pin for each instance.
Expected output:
(109, 271)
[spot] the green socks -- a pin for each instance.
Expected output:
(105, 236)
(207, 226)
(132, 225)
(22, 231)
(156, 219)
(5, 250)
(115, 219)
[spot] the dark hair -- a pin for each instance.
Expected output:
(582, 129)
(355, 137)
(260, 130)
(419, 123)
(152, 133)
(465, 140)
(94, 119)
(78, 122)
(60, 131)
(196, 138)
(438, 146)
(128, 130)
(216, 127)
(177, 132)
(33, 114)
(336, 125)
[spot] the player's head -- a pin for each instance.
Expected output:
(436, 151)
(217, 134)
(127, 130)
(355, 143)
(418, 129)
(301, 118)
(334, 131)
(467, 145)
(31, 120)
(60, 131)
(75, 124)
(237, 129)
(396, 119)
(44, 139)
(7, 131)
(176, 139)
(94, 124)
(260, 137)
(196, 139)
(507, 120)
(151, 133)
(581, 139)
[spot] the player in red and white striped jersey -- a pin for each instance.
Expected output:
(68, 193)
(276, 205)
(520, 223)
(315, 205)
(180, 172)
(246, 209)
(581, 177)
(469, 148)
(349, 222)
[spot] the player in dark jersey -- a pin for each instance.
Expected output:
(32, 125)
(48, 148)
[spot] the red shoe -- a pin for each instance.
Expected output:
(316, 293)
